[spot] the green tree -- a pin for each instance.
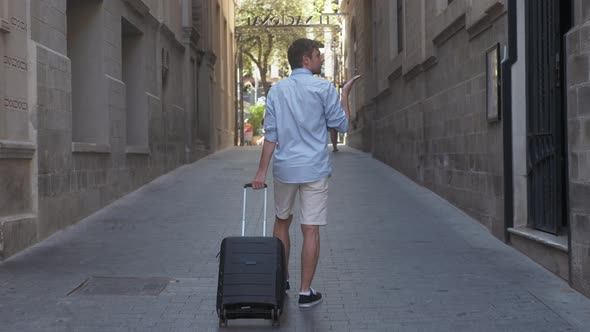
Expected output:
(266, 46)
(256, 116)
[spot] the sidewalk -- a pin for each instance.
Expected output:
(394, 257)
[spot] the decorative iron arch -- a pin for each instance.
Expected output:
(276, 27)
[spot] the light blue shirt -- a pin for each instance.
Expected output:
(298, 110)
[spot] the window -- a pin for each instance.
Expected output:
(392, 21)
(132, 75)
(400, 26)
(195, 92)
(90, 120)
(223, 54)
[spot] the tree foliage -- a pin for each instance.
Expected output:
(256, 115)
(266, 46)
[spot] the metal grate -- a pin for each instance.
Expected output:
(128, 286)
(544, 115)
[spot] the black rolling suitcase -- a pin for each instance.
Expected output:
(252, 275)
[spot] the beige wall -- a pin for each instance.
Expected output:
(426, 115)
(422, 110)
(92, 109)
(17, 130)
(578, 124)
(14, 73)
(358, 50)
(218, 69)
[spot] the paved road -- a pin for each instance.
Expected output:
(395, 257)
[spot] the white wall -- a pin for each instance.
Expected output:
(519, 122)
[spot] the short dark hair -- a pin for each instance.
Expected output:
(299, 48)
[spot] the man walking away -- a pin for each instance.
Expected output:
(299, 109)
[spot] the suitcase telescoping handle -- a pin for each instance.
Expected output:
(246, 186)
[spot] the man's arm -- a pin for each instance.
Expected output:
(344, 97)
(270, 139)
(344, 100)
(338, 104)
(267, 150)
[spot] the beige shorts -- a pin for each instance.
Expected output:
(313, 201)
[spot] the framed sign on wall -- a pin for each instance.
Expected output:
(493, 83)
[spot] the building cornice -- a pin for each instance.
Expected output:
(209, 56)
(191, 36)
(16, 149)
(138, 5)
(166, 31)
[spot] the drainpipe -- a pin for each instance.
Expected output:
(187, 86)
(159, 83)
(509, 60)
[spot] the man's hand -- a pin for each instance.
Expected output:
(348, 84)
(267, 150)
(258, 181)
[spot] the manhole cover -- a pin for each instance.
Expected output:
(129, 286)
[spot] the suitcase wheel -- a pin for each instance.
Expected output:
(223, 319)
(275, 314)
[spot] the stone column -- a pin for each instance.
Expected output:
(206, 99)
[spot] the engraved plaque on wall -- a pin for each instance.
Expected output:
(14, 69)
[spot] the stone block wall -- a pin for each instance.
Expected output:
(404, 127)
(462, 157)
(578, 124)
(98, 97)
(78, 178)
(17, 129)
(429, 115)
(358, 60)
(56, 181)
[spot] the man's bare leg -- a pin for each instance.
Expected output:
(334, 138)
(309, 254)
(281, 231)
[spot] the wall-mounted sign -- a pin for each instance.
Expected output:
(493, 83)
(15, 104)
(18, 23)
(15, 62)
(287, 20)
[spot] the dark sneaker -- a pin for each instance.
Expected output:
(287, 286)
(306, 301)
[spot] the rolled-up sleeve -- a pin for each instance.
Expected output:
(270, 121)
(335, 116)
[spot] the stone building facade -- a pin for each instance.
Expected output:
(216, 78)
(578, 143)
(485, 103)
(100, 97)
